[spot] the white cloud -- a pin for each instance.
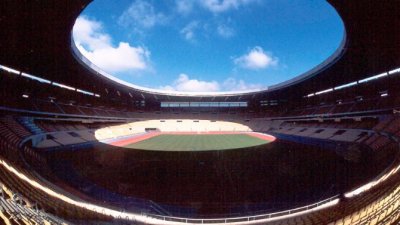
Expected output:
(188, 31)
(88, 33)
(122, 58)
(218, 6)
(97, 46)
(141, 14)
(231, 84)
(193, 30)
(184, 7)
(184, 83)
(256, 59)
(225, 31)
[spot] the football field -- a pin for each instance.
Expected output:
(196, 142)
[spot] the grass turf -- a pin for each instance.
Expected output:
(203, 142)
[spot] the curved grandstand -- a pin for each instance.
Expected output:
(322, 148)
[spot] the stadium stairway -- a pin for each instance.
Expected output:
(28, 123)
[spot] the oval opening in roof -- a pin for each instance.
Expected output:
(196, 46)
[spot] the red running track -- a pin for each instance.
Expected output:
(135, 139)
(262, 136)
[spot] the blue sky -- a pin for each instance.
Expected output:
(207, 45)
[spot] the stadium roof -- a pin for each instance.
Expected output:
(35, 38)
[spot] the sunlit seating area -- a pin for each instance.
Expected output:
(18, 210)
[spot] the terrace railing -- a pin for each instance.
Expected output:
(269, 216)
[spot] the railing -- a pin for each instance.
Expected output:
(269, 216)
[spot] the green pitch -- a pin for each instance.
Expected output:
(203, 142)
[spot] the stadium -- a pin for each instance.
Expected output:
(79, 146)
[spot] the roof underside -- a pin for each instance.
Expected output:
(35, 37)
